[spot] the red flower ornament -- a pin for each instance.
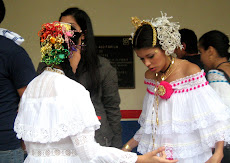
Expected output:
(164, 90)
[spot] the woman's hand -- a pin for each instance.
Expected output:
(151, 157)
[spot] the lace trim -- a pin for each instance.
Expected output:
(185, 150)
(187, 79)
(173, 152)
(216, 76)
(128, 157)
(183, 126)
(216, 73)
(198, 74)
(52, 152)
(205, 141)
(82, 139)
(182, 90)
(43, 135)
(222, 81)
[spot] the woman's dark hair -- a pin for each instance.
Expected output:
(188, 36)
(217, 40)
(89, 60)
(66, 64)
(143, 37)
(67, 69)
(2, 10)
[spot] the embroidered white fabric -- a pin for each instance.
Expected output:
(52, 152)
(54, 110)
(219, 83)
(93, 152)
(189, 122)
(56, 152)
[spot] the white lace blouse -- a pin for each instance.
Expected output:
(57, 121)
(191, 121)
(220, 84)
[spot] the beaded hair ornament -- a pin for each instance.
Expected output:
(52, 37)
(165, 31)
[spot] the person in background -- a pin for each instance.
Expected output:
(56, 117)
(16, 71)
(180, 110)
(97, 75)
(214, 46)
(190, 49)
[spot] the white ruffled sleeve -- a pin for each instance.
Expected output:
(90, 151)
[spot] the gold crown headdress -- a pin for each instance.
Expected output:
(138, 23)
(166, 32)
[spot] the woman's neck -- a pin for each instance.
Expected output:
(57, 67)
(167, 64)
(218, 62)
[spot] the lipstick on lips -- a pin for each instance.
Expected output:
(153, 69)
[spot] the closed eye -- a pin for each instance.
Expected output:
(141, 59)
(151, 56)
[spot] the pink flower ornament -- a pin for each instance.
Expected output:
(164, 90)
(69, 34)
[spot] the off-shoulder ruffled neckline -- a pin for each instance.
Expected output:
(177, 80)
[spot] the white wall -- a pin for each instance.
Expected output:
(112, 17)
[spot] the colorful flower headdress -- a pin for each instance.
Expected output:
(165, 31)
(52, 38)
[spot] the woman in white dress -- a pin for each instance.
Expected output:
(56, 118)
(180, 110)
(214, 46)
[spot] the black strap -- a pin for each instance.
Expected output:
(225, 74)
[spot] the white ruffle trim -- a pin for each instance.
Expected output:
(189, 122)
(184, 112)
(50, 119)
(185, 145)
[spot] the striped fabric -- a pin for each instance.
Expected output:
(12, 36)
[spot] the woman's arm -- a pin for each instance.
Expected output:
(90, 151)
(218, 155)
(132, 143)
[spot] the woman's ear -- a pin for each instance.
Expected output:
(211, 49)
(82, 36)
(184, 46)
(211, 53)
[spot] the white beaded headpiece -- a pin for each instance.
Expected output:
(165, 31)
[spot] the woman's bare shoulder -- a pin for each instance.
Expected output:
(190, 68)
(149, 75)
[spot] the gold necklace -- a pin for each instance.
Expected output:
(55, 70)
(163, 77)
(168, 72)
